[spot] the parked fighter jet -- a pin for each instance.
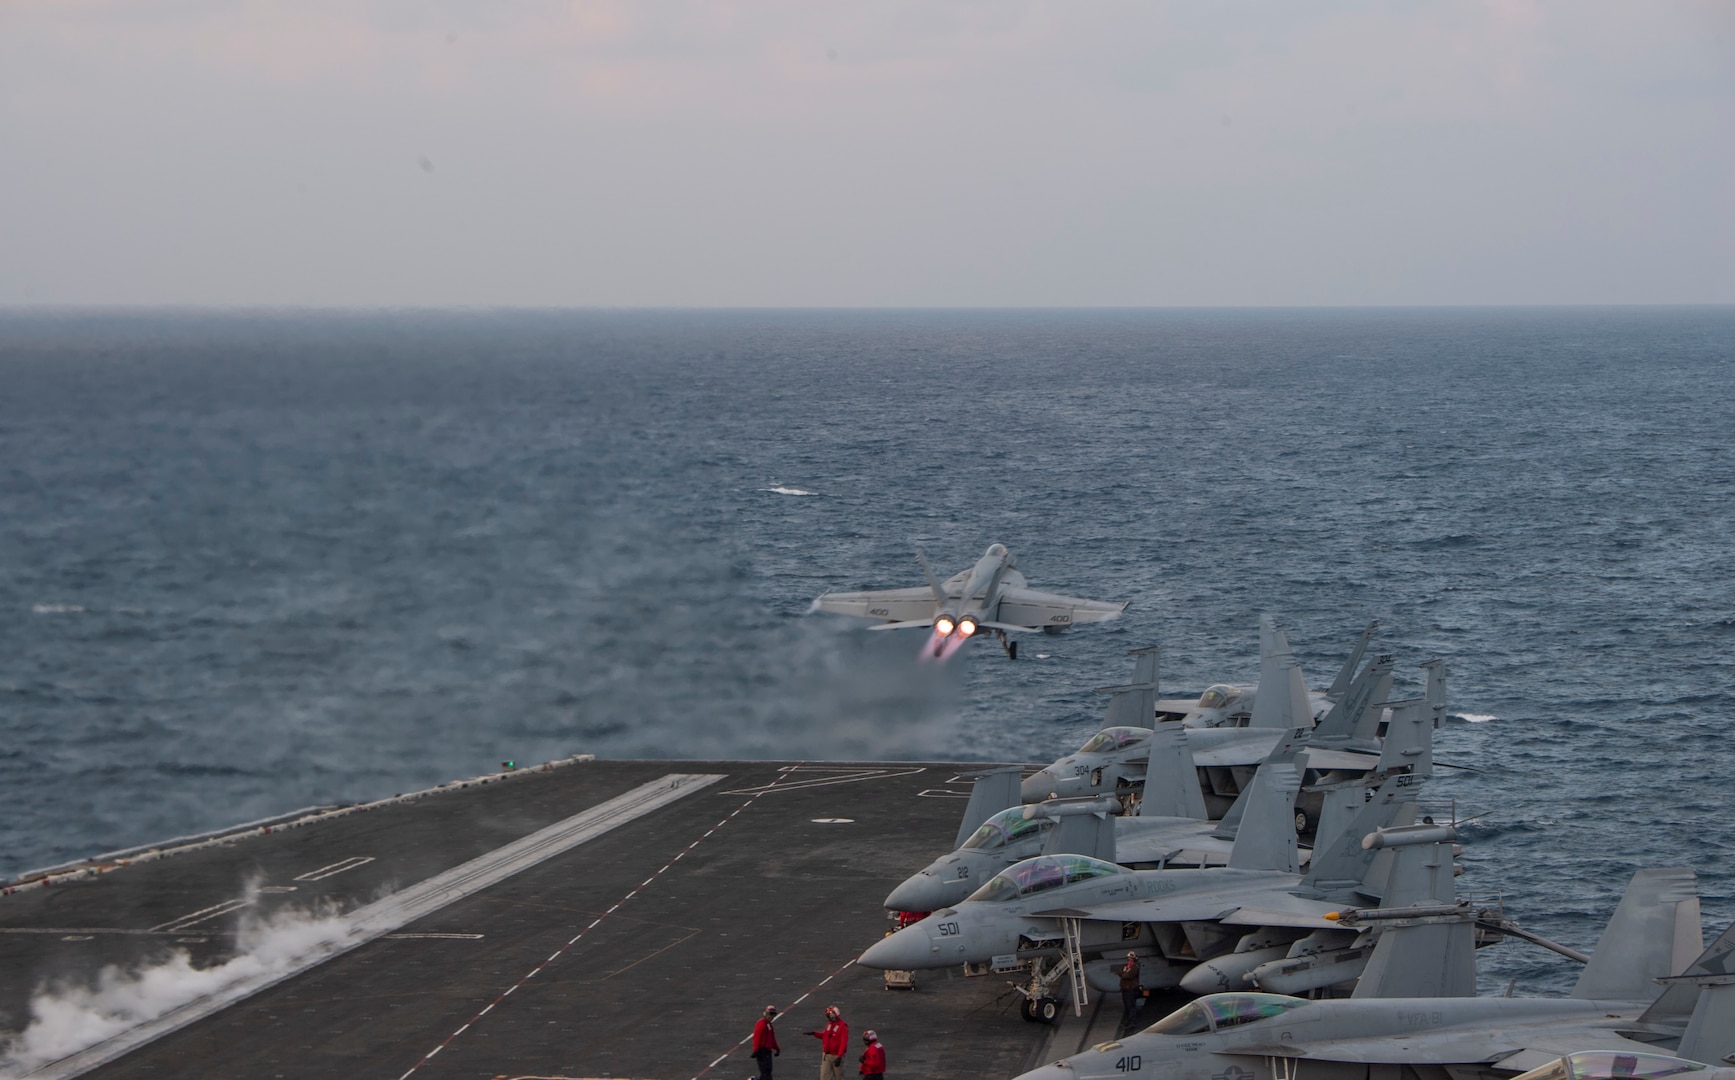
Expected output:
(1615, 1008)
(1154, 835)
(1055, 911)
(991, 595)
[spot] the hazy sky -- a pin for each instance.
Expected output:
(437, 153)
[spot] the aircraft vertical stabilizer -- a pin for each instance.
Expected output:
(1281, 700)
(1282, 756)
(1266, 840)
(1090, 832)
(1135, 704)
(1341, 862)
(993, 791)
(1409, 745)
(1657, 917)
(1434, 954)
(1685, 994)
(1171, 779)
(1365, 695)
(1340, 685)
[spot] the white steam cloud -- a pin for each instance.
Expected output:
(67, 1018)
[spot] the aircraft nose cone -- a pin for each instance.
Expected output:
(1036, 788)
(902, 951)
(919, 892)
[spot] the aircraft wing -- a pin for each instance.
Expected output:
(1347, 760)
(1029, 609)
(1248, 746)
(1209, 906)
(1516, 1049)
(914, 605)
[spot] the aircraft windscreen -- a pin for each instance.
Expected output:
(1221, 1011)
(1189, 1019)
(1217, 696)
(1043, 873)
(1114, 738)
(1613, 1065)
(1006, 827)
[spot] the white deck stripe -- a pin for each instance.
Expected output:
(384, 916)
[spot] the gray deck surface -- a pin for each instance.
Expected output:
(770, 907)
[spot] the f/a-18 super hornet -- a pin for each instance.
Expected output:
(1060, 914)
(992, 595)
(1615, 1008)
(1167, 829)
(1346, 738)
(1231, 704)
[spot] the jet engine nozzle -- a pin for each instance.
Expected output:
(966, 626)
(944, 626)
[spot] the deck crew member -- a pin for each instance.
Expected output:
(833, 1044)
(765, 1042)
(873, 1059)
(1131, 994)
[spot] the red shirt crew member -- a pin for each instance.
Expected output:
(833, 1044)
(873, 1059)
(765, 1042)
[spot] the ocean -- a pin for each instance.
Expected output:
(251, 562)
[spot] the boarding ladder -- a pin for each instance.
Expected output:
(1073, 931)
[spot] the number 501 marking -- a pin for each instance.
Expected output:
(948, 929)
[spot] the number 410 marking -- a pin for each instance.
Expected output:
(1130, 1063)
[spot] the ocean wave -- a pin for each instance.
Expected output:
(781, 489)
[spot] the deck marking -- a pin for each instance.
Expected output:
(199, 916)
(335, 868)
(752, 795)
(373, 921)
(851, 776)
(812, 990)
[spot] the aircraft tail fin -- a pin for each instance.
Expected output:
(1704, 993)
(933, 582)
(1282, 755)
(1656, 922)
(1135, 704)
(1340, 685)
(1340, 863)
(1082, 829)
(1364, 695)
(1281, 700)
(993, 791)
(1171, 779)
(1409, 744)
(1266, 839)
(1429, 949)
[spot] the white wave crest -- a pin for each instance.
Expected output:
(66, 1018)
(1475, 718)
(780, 489)
(57, 609)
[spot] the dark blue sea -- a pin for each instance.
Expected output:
(250, 563)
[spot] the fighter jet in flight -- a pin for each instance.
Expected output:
(992, 595)
(1615, 1009)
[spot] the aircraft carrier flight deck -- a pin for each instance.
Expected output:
(579, 919)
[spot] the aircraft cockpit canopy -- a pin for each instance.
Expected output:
(1217, 696)
(1114, 738)
(1006, 827)
(1614, 1065)
(1044, 872)
(1220, 1011)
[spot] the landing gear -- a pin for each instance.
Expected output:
(1009, 645)
(1048, 1010)
(1027, 1009)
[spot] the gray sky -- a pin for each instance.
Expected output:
(437, 153)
